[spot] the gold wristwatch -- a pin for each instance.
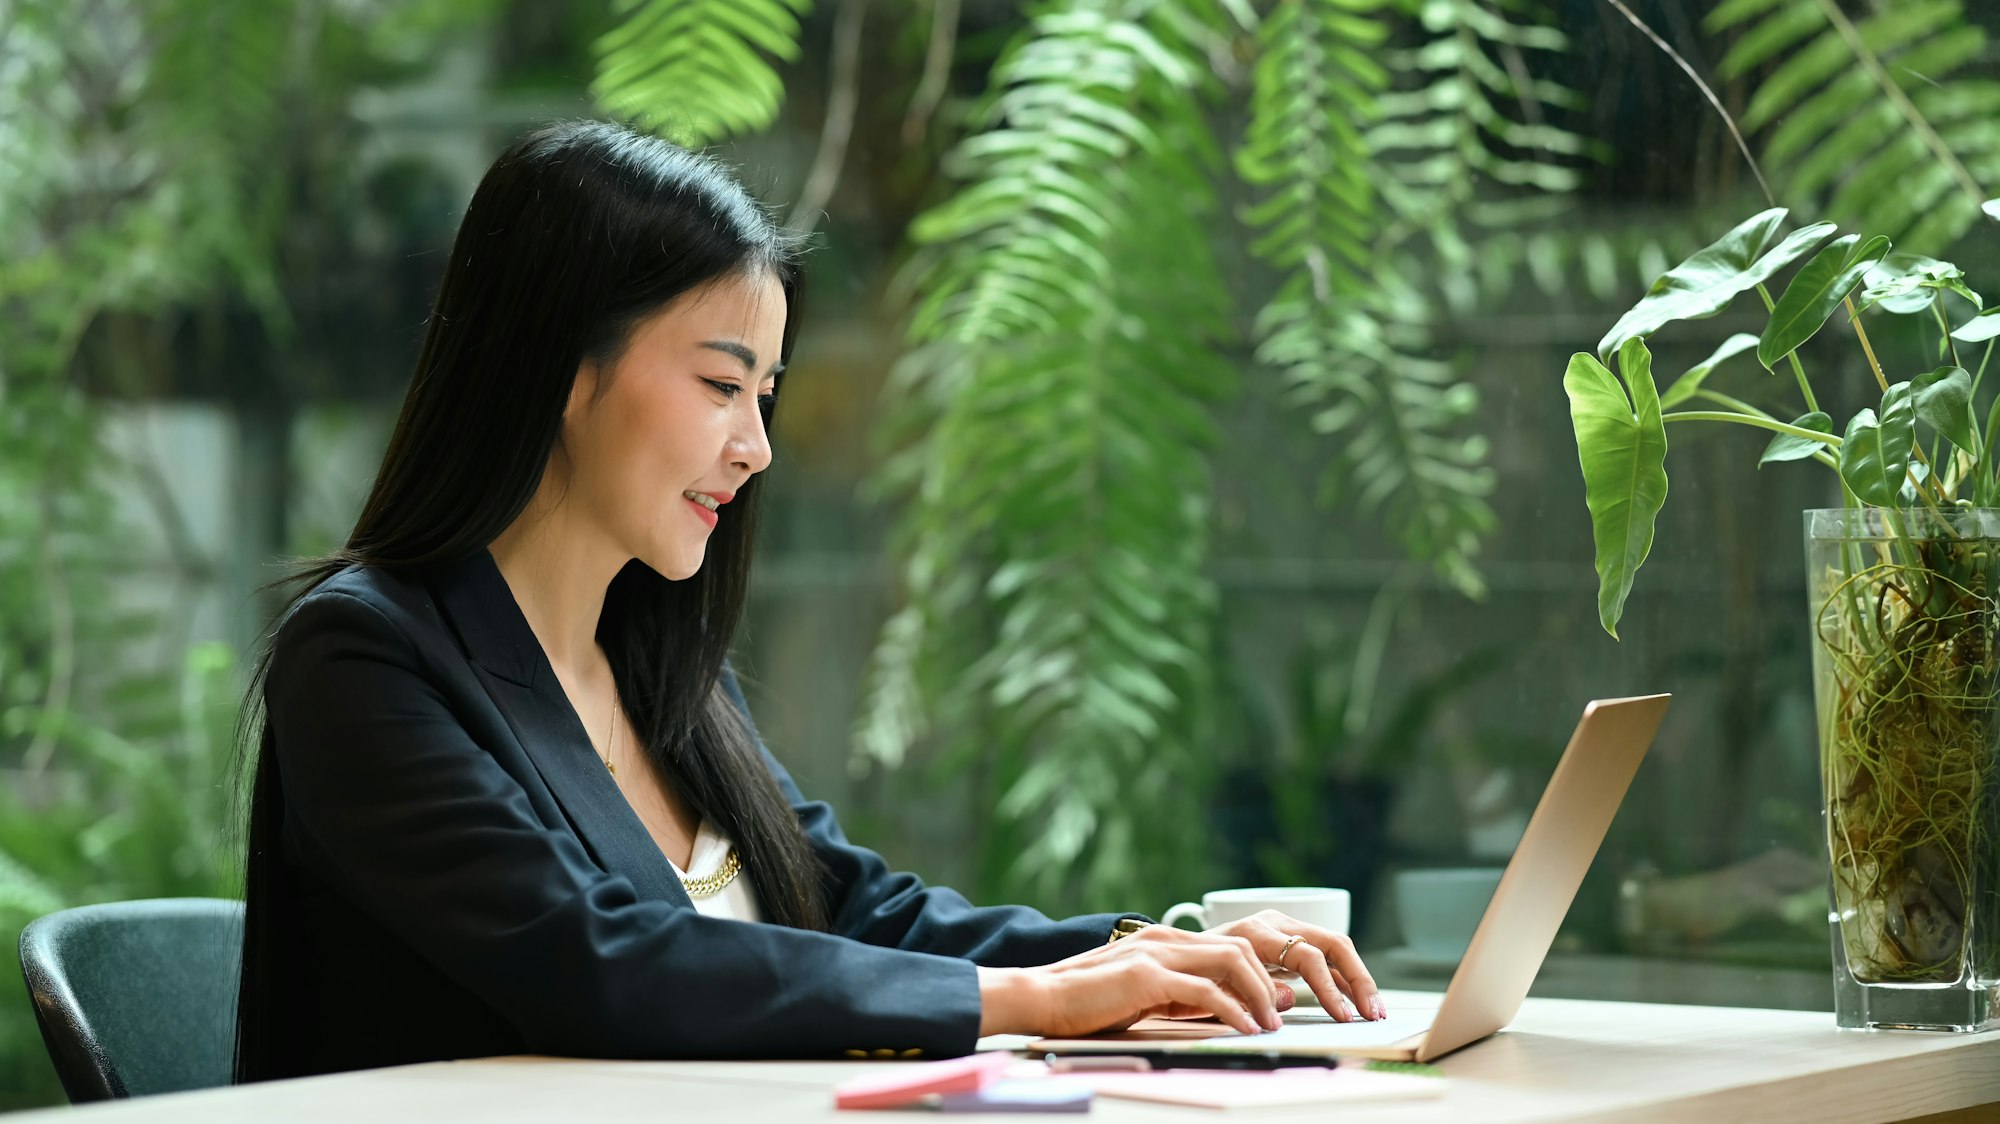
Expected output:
(1125, 927)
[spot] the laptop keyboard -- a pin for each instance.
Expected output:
(1316, 1029)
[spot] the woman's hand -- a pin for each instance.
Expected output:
(1156, 971)
(1324, 959)
(1171, 973)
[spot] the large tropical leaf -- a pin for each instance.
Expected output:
(697, 71)
(1621, 442)
(1943, 401)
(1820, 286)
(1685, 387)
(1791, 447)
(1705, 283)
(1878, 123)
(1875, 453)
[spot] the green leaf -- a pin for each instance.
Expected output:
(1621, 444)
(1944, 402)
(1705, 283)
(1907, 283)
(1791, 447)
(1910, 494)
(696, 70)
(1875, 454)
(1812, 296)
(1984, 326)
(1684, 388)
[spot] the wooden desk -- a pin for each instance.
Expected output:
(1563, 1060)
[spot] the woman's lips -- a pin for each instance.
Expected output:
(708, 517)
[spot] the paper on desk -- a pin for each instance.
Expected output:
(1032, 1094)
(1260, 1089)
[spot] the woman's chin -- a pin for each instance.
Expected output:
(677, 566)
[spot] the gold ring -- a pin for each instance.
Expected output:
(1287, 951)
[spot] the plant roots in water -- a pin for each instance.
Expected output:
(1907, 670)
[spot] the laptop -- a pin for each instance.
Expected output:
(1507, 948)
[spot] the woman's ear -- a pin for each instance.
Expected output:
(582, 391)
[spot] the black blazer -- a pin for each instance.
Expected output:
(458, 876)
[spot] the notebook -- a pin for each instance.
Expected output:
(1507, 948)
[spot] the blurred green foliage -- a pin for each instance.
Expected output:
(157, 156)
(1142, 201)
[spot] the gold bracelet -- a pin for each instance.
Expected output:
(1125, 927)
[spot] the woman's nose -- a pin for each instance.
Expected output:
(750, 447)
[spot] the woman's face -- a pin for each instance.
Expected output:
(677, 419)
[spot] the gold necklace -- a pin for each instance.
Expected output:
(611, 742)
(715, 883)
(706, 887)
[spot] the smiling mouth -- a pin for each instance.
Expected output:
(705, 501)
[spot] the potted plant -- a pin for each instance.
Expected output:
(1902, 580)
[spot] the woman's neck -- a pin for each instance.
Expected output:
(559, 573)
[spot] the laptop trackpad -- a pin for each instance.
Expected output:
(1315, 1030)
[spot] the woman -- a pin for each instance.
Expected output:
(508, 797)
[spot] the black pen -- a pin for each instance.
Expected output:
(1177, 1059)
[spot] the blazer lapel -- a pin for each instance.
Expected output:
(511, 665)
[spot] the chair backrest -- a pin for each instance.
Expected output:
(136, 997)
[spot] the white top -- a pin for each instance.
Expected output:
(737, 901)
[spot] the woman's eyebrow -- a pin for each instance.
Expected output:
(744, 354)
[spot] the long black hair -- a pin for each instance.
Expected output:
(577, 233)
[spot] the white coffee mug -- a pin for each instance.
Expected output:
(1315, 905)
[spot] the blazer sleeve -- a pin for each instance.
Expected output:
(872, 903)
(390, 800)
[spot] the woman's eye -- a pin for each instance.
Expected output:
(728, 389)
(767, 402)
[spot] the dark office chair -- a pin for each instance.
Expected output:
(136, 997)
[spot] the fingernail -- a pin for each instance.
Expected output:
(1274, 1022)
(1379, 1012)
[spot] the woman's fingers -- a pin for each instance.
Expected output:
(1311, 965)
(1354, 977)
(1326, 960)
(1194, 991)
(1231, 961)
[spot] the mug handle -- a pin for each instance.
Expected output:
(1185, 910)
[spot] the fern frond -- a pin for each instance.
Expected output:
(1455, 136)
(1394, 422)
(1058, 604)
(697, 71)
(1083, 459)
(1391, 418)
(1024, 241)
(1874, 124)
(214, 96)
(1314, 89)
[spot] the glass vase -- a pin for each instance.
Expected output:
(1905, 619)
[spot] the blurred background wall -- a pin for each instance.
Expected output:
(1354, 614)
